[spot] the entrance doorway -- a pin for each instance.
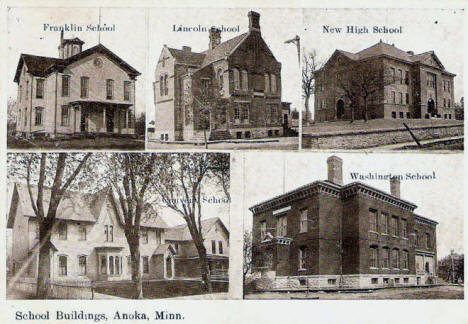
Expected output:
(109, 120)
(84, 120)
(431, 110)
(169, 267)
(340, 109)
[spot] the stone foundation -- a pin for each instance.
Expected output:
(372, 138)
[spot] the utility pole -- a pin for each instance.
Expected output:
(297, 41)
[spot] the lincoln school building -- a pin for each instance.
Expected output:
(88, 242)
(329, 235)
(397, 84)
(81, 92)
(230, 90)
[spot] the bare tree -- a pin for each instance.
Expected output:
(181, 181)
(360, 82)
(310, 66)
(131, 176)
(48, 177)
(11, 114)
(248, 260)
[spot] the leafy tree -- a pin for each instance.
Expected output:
(181, 181)
(451, 267)
(310, 66)
(48, 177)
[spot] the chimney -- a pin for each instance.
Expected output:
(186, 49)
(215, 37)
(335, 170)
(254, 21)
(61, 37)
(395, 187)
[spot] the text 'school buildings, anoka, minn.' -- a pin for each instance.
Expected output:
(88, 242)
(81, 92)
(402, 85)
(327, 235)
(240, 75)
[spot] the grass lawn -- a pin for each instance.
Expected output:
(280, 143)
(440, 292)
(99, 143)
(160, 289)
(373, 124)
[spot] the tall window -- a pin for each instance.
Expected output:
(267, 82)
(38, 116)
(405, 259)
(400, 73)
(395, 259)
(245, 112)
(263, 230)
(302, 257)
(62, 265)
(111, 265)
(236, 75)
(416, 238)
(84, 87)
(385, 257)
(237, 113)
(65, 85)
(161, 86)
(407, 98)
(62, 231)
(393, 74)
(273, 83)
(20, 90)
(394, 97)
(39, 88)
(384, 223)
(213, 247)
(245, 80)
(431, 80)
(103, 264)
(372, 220)
(282, 226)
(428, 240)
(118, 265)
(166, 89)
(27, 90)
(404, 228)
(65, 115)
(109, 88)
(144, 235)
(25, 116)
(127, 90)
(82, 265)
(401, 98)
(303, 221)
(374, 261)
(82, 230)
(220, 247)
(109, 233)
(394, 225)
(145, 264)
(406, 77)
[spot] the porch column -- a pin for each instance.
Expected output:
(120, 120)
(126, 119)
(104, 119)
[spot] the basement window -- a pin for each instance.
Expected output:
(247, 134)
(332, 281)
(393, 114)
(397, 280)
(238, 135)
(375, 281)
(405, 280)
(303, 282)
(385, 281)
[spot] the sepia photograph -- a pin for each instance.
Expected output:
(342, 227)
(383, 79)
(118, 225)
(224, 79)
(74, 83)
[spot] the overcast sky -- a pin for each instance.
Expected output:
(440, 199)
(423, 30)
(129, 41)
(274, 31)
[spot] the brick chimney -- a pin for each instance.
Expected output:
(254, 21)
(335, 170)
(215, 37)
(395, 187)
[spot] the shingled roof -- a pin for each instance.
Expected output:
(209, 56)
(182, 232)
(41, 66)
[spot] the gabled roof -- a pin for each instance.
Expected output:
(163, 248)
(189, 58)
(42, 66)
(182, 232)
(224, 49)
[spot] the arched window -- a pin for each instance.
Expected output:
(267, 82)
(245, 80)
(236, 75)
(161, 86)
(273, 83)
(374, 256)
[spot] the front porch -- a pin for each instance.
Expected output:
(96, 117)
